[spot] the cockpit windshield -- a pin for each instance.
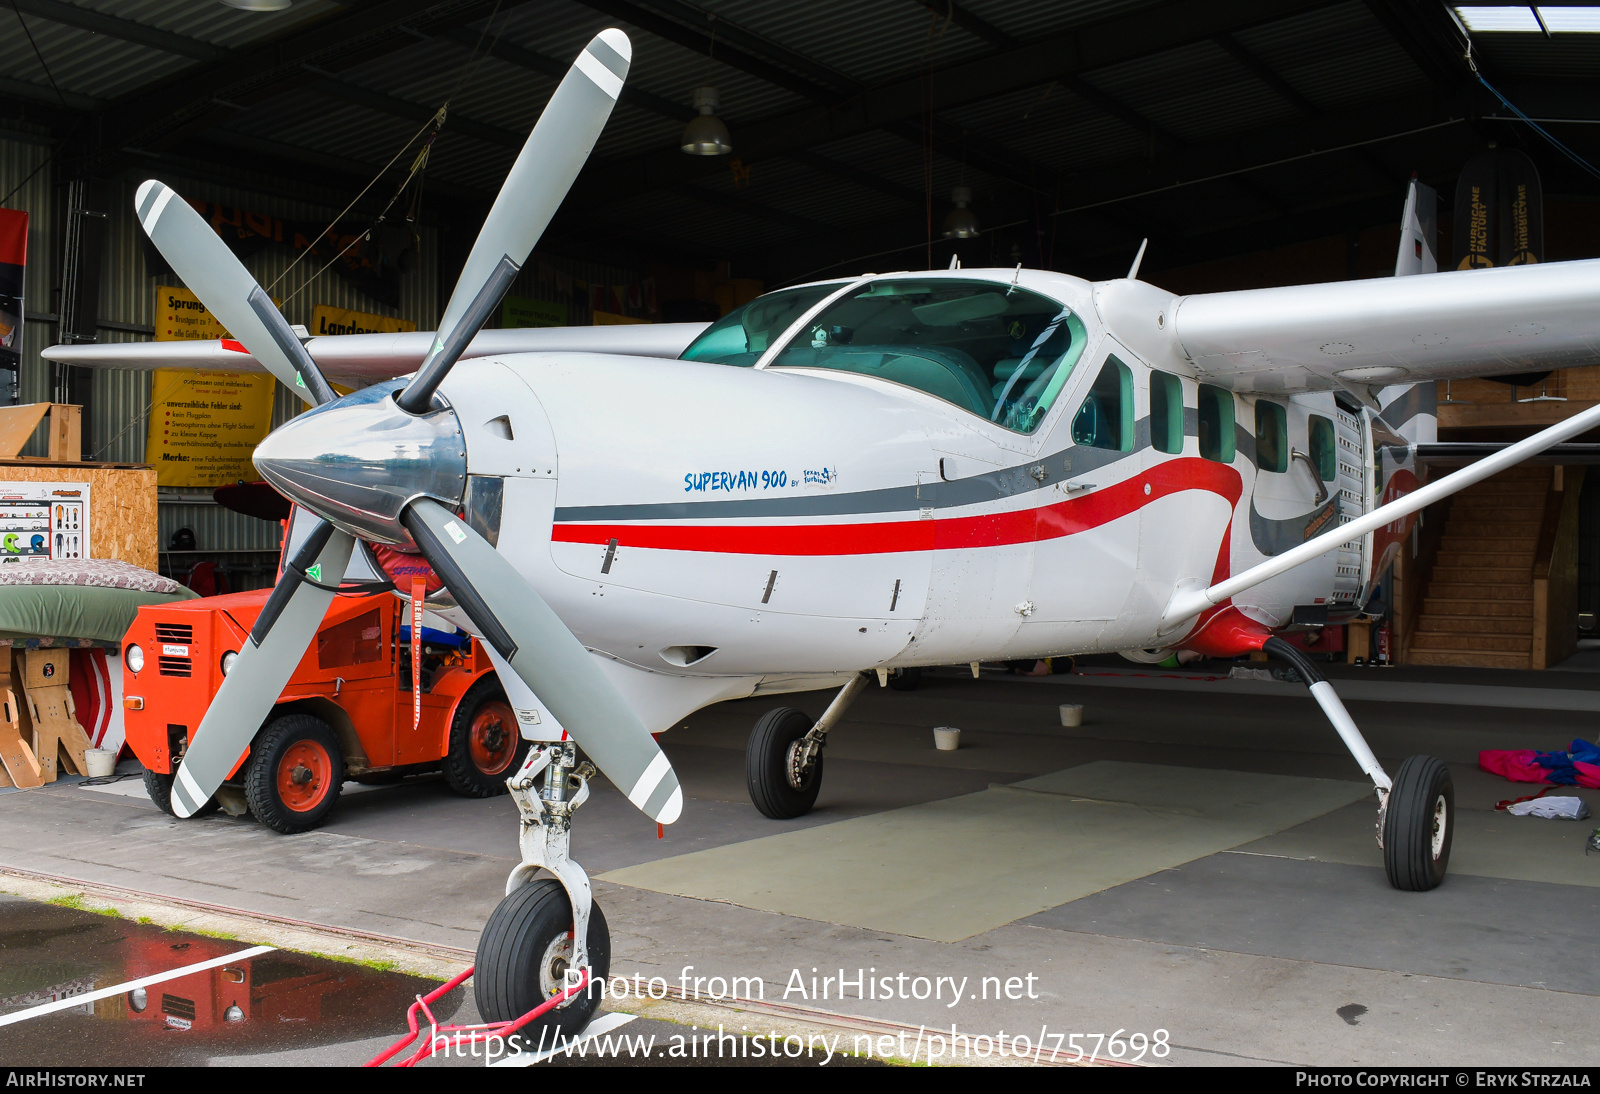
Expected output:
(999, 351)
(743, 335)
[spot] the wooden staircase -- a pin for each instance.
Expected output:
(1479, 606)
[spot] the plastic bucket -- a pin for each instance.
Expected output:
(1072, 714)
(100, 762)
(946, 738)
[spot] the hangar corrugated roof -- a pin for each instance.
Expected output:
(827, 105)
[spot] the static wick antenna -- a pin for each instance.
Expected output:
(1133, 271)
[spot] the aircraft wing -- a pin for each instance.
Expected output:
(1395, 330)
(366, 358)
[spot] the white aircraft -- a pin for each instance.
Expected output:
(839, 479)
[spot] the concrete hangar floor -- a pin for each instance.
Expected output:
(1197, 858)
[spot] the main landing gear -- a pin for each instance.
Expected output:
(783, 761)
(1416, 809)
(546, 930)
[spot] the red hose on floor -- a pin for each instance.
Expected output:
(483, 1030)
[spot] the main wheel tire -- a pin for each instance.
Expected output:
(485, 744)
(523, 954)
(294, 773)
(1418, 824)
(768, 763)
(159, 787)
(905, 679)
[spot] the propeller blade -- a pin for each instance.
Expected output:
(228, 291)
(548, 658)
(277, 642)
(545, 170)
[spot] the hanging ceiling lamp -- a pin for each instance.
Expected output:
(259, 5)
(960, 222)
(706, 135)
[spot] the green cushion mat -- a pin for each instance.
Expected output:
(74, 611)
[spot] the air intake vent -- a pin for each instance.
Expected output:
(174, 632)
(177, 1007)
(686, 655)
(175, 666)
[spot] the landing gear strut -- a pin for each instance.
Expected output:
(1416, 809)
(783, 761)
(546, 930)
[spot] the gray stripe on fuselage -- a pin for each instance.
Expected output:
(1421, 398)
(1006, 482)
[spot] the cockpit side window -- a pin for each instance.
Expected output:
(743, 335)
(998, 351)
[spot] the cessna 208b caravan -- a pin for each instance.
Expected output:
(920, 468)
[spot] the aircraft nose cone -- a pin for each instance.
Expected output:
(359, 460)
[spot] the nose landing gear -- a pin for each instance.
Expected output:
(546, 930)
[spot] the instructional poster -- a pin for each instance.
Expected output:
(205, 425)
(180, 317)
(40, 521)
(326, 321)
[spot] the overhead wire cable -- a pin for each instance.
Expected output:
(38, 53)
(474, 59)
(1153, 190)
(1549, 137)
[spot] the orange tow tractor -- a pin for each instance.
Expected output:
(347, 712)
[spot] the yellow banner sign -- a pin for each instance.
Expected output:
(205, 425)
(326, 320)
(519, 311)
(180, 317)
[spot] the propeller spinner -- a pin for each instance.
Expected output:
(389, 465)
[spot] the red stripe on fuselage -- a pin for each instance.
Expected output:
(1063, 518)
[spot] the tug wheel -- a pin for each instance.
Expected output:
(294, 773)
(485, 744)
(159, 787)
(523, 956)
(1418, 824)
(778, 786)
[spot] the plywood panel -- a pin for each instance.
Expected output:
(122, 520)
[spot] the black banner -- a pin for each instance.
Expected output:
(1499, 213)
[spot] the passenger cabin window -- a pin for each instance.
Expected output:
(1324, 450)
(1105, 420)
(998, 351)
(744, 334)
(1272, 437)
(1216, 423)
(1166, 412)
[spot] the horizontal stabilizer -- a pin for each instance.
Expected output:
(1368, 334)
(367, 358)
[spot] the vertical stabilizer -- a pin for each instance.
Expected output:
(1419, 232)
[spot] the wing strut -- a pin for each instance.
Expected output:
(1190, 600)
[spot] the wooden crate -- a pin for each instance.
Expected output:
(122, 513)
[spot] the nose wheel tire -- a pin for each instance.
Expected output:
(779, 785)
(159, 787)
(1418, 824)
(485, 744)
(523, 956)
(294, 773)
